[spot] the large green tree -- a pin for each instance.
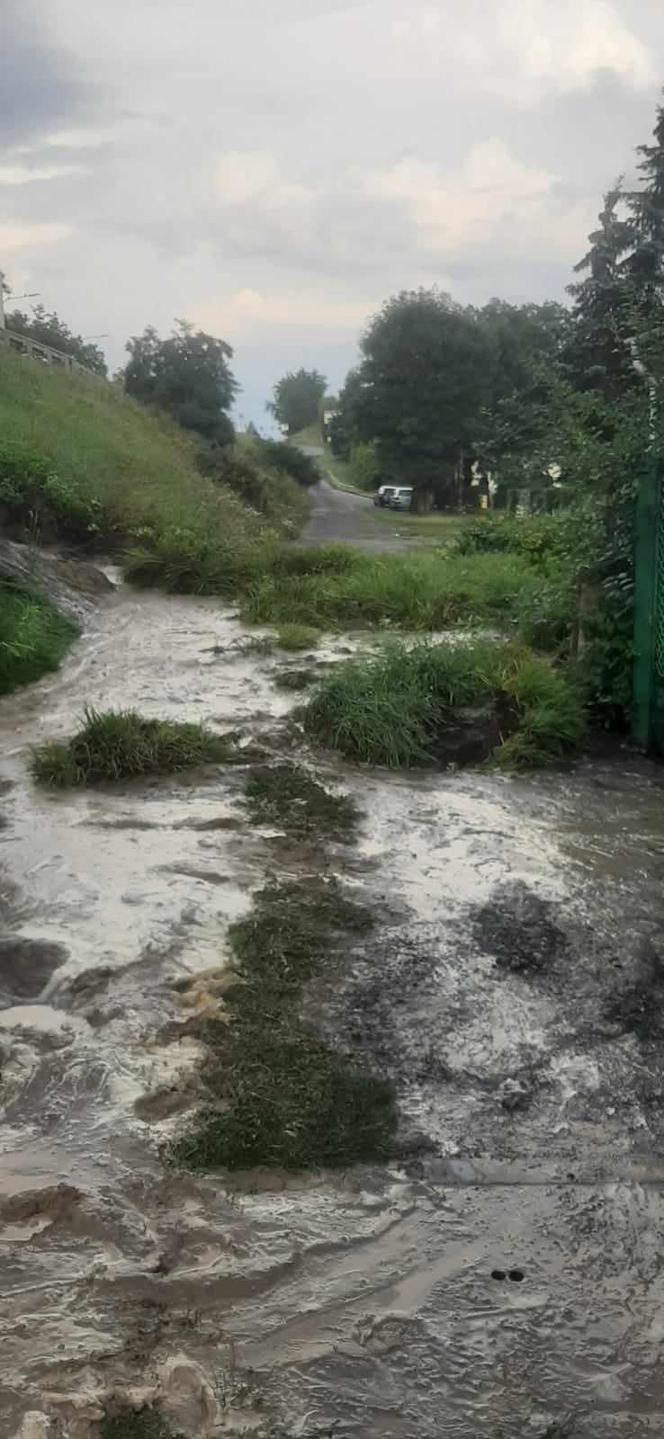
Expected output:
(188, 375)
(419, 388)
(597, 354)
(47, 327)
(297, 399)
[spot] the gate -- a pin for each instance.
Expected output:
(648, 720)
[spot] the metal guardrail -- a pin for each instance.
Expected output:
(44, 354)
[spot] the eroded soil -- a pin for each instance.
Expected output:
(503, 1277)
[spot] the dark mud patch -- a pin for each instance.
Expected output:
(145, 1423)
(637, 1007)
(26, 965)
(296, 680)
(209, 826)
(279, 1096)
(286, 796)
(517, 930)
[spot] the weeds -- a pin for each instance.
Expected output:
(448, 703)
(283, 1098)
(34, 637)
(288, 797)
(120, 744)
(297, 637)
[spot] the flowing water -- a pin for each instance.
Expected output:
(506, 1278)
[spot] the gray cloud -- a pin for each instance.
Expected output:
(277, 171)
(40, 83)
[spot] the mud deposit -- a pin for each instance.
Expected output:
(505, 1277)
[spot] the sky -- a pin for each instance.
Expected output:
(273, 170)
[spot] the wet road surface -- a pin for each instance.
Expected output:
(340, 517)
(505, 1278)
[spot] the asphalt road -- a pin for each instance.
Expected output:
(339, 517)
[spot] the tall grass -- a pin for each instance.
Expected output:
(428, 591)
(120, 744)
(33, 637)
(438, 703)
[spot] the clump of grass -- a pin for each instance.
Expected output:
(316, 560)
(287, 796)
(414, 707)
(297, 637)
(120, 745)
(282, 1097)
(34, 637)
(145, 1423)
(423, 591)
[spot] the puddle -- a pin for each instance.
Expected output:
(505, 1276)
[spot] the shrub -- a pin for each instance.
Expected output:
(290, 460)
(120, 744)
(534, 536)
(144, 1423)
(34, 637)
(407, 708)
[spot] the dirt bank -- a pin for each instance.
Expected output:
(504, 1275)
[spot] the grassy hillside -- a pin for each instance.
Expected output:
(79, 459)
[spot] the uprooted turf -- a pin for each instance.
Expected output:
(287, 796)
(120, 745)
(280, 1097)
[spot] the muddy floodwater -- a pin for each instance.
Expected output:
(505, 1278)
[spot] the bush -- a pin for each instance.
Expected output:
(447, 703)
(34, 637)
(120, 744)
(290, 460)
(534, 536)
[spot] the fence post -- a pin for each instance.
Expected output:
(646, 556)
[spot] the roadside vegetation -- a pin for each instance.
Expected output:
(34, 637)
(279, 1097)
(448, 704)
(120, 745)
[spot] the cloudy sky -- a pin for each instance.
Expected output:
(274, 169)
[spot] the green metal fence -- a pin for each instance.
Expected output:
(648, 722)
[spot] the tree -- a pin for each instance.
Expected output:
(597, 356)
(297, 399)
(49, 329)
(645, 265)
(188, 375)
(419, 388)
(519, 339)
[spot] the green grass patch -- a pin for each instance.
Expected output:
(81, 460)
(280, 1097)
(34, 637)
(287, 796)
(419, 591)
(448, 704)
(119, 745)
(297, 637)
(145, 1423)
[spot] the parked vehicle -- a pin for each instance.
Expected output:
(383, 494)
(401, 498)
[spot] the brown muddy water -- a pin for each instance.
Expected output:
(506, 1277)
